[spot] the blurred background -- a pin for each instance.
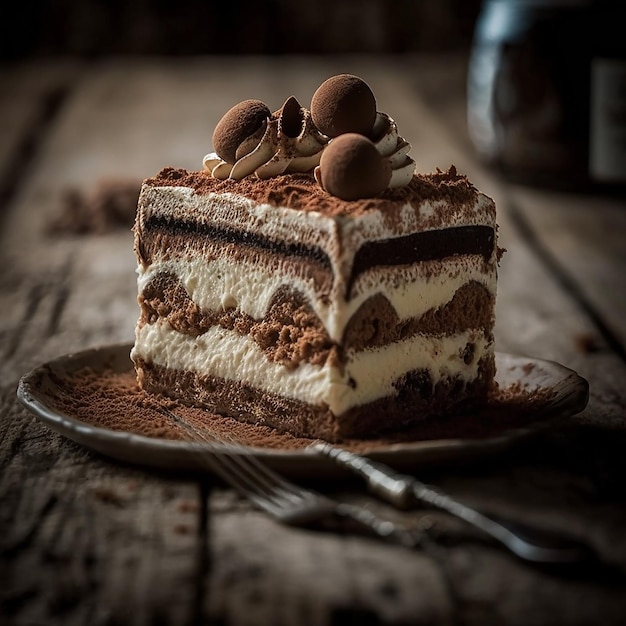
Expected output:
(545, 80)
(99, 27)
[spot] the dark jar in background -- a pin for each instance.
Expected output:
(546, 97)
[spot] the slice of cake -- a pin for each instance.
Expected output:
(334, 300)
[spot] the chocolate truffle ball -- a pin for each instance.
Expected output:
(344, 104)
(351, 168)
(243, 120)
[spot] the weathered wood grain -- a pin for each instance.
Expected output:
(585, 238)
(263, 573)
(83, 541)
(30, 94)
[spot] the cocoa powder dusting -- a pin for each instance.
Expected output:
(113, 400)
(301, 191)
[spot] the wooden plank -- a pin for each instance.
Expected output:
(584, 235)
(31, 94)
(83, 541)
(263, 573)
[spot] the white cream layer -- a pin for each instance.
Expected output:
(222, 283)
(225, 354)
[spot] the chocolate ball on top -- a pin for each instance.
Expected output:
(351, 168)
(344, 104)
(238, 123)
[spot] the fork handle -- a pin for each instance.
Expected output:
(381, 480)
(401, 490)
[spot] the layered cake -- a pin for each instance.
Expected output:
(308, 279)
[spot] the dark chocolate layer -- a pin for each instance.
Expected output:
(167, 247)
(233, 236)
(414, 248)
(430, 245)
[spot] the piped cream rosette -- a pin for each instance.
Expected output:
(286, 142)
(395, 148)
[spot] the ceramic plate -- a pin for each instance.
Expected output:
(543, 389)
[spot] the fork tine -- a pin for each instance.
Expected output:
(277, 496)
(254, 479)
(288, 488)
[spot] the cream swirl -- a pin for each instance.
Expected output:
(394, 147)
(287, 142)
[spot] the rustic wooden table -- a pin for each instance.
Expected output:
(86, 540)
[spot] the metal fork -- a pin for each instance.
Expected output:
(287, 502)
(530, 543)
